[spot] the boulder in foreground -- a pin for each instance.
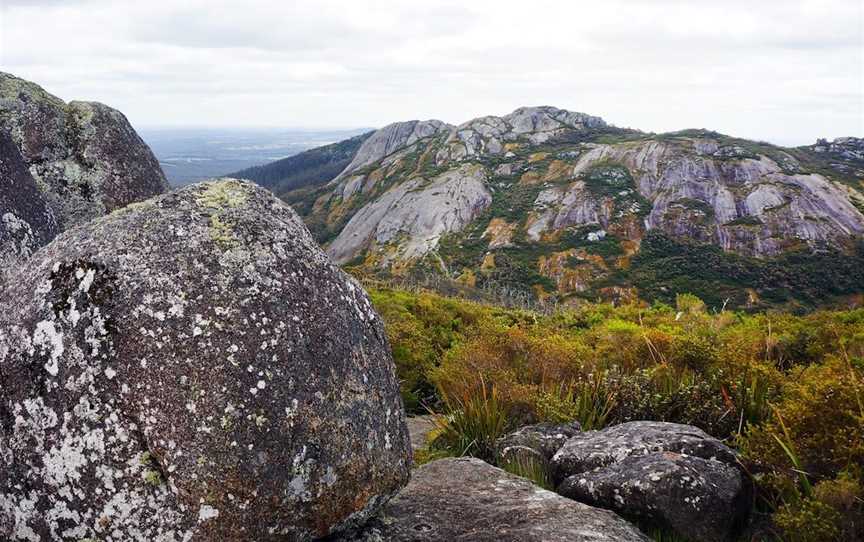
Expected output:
(193, 368)
(674, 475)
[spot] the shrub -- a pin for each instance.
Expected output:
(822, 414)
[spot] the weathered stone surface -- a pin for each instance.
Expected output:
(85, 157)
(26, 221)
(390, 139)
(746, 204)
(467, 499)
(419, 428)
(414, 215)
(673, 474)
(193, 368)
(699, 498)
(543, 438)
(487, 135)
(592, 449)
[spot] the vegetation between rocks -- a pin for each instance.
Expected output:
(784, 389)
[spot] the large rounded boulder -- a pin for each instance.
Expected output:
(193, 368)
(86, 158)
(26, 220)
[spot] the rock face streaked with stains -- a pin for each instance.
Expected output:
(26, 220)
(193, 367)
(672, 474)
(467, 499)
(85, 157)
(415, 215)
(560, 204)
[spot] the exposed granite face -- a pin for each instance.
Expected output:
(26, 220)
(193, 367)
(489, 135)
(392, 138)
(571, 200)
(85, 157)
(467, 499)
(414, 215)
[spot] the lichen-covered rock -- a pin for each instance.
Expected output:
(193, 368)
(85, 157)
(467, 499)
(544, 438)
(592, 449)
(26, 220)
(701, 499)
(673, 474)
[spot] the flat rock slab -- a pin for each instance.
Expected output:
(468, 499)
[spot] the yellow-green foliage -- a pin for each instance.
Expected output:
(833, 513)
(771, 384)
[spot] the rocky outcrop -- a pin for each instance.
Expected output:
(84, 156)
(26, 220)
(675, 475)
(850, 148)
(192, 367)
(571, 200)
(414, 215)
(467, 499)
(543, 439)
(489, 135)
(750, 205)
(390, 139)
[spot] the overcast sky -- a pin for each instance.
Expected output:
(785, 71)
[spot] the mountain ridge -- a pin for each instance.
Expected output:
(559, 202)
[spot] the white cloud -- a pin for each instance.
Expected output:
(784, 71)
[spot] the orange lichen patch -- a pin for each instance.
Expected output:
(568, 278)
(627, 228)
(537, 156)
(468, 278)
(499, 232)
(530, 177)
(488, 262)
(558, 170)
(631, 246)
(511, 147)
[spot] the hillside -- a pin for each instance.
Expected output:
(307, 169)
(563, 206)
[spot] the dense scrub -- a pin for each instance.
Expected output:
(786, 390)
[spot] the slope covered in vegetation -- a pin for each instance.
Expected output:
(307, 169)
(786, 390)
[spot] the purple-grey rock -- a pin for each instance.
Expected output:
(592, 449)
(85, 157)
(192, 367)
(672, 474)
(698, 498)
(26, 220)
(467, 499)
